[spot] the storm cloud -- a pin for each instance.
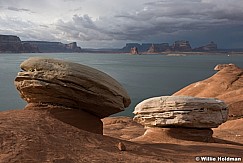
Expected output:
(109, 23)
(19, 9)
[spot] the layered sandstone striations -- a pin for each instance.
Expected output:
(73, 93)
(177, 118)
(52, 81)
(181, 111)
(13, 44)
(226, 85)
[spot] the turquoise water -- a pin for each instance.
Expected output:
(143, 76)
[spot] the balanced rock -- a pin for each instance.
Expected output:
(226, 85)
(181, 111)
(60, 83)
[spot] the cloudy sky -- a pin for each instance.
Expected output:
(112, 23)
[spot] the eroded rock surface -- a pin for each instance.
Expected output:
(71, 85)
(222, 66)
(226, 85)
(168, 135)
(181, 111)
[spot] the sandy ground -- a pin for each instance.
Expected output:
(227, 140)
(31, 136)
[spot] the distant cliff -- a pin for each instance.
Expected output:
(177, 46)
(55, 47)
(181, 45)
(13, 44)
(209, 47)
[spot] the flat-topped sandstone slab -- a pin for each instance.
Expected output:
(181, 111)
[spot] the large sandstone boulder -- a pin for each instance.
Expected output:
(181, 111)
(226, 85)
(71, 85)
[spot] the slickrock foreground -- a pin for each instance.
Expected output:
(73, 93)
(32, 136)
(227, 139)
(55, 131)
(181, 111)
(226, 85)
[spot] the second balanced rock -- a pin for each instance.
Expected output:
(71, 85)
(181, 111)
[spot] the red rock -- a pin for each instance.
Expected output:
(121, 146)
(226, 85)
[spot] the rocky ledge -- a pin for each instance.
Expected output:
(226, 85)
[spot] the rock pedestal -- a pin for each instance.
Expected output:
(158, 134)
(181, 114)
(47, 82)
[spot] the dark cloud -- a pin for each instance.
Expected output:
(77, 9)
(155, 18)
(138, 20)
(19, 9)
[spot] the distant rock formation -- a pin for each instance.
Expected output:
(13, 44)
(226, 85)
(152, 49)
(209, 47)
(177, 46)
(55, 47)
(70, 91)
(134, 50)
(222, 66)
(129, 46)
(145, 47)
(182, 45)
(181, 111)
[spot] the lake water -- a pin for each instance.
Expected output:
(143, 76)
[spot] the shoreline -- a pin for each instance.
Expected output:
(193, 53)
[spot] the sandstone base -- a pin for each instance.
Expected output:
(74, 117)
(163, 135)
